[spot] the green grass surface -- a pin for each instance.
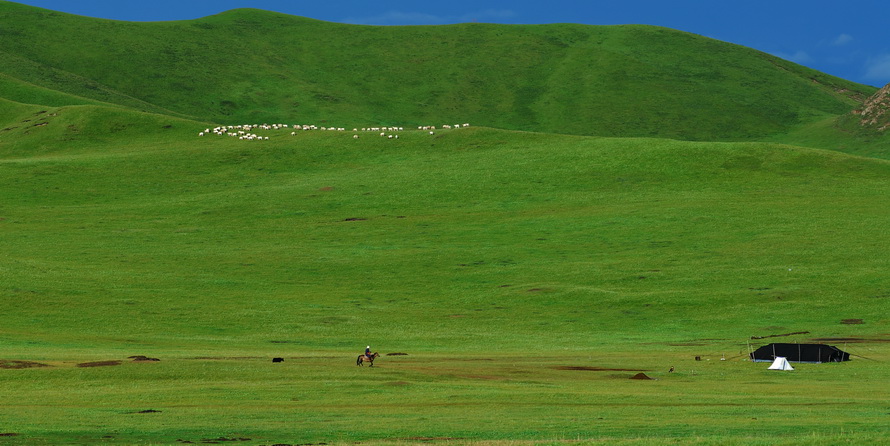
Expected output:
(493, 258)
(251, 66)
(526, 276)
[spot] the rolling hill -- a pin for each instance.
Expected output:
(518, 270)
(246, 66)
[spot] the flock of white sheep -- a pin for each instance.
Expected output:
(245, 132)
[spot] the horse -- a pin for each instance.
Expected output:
(369, 358)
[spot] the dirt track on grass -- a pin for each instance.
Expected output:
(99, 364)
(7, 364)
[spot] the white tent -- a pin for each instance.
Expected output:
(780, 363)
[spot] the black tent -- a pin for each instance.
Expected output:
(814, 353)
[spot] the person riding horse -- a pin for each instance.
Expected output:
(367, 356)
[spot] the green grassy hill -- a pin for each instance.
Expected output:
(525, 276)
(862, 131)
(479, 223)
(247, 66)
(468, 249)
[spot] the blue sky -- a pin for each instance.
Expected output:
(849, 38)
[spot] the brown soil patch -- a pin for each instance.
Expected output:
(396, 354)
(596, 369)
(326, 188)
(640, 376)
(355, 219)
(9, 434)
(99, 363)
(851, 321)
(140, 358)
(780, 335)
(5, 364)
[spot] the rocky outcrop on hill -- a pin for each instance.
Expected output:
(875, 111)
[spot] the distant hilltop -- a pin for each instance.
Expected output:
(249, 65)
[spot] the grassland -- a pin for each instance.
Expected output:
(251, 66)
(525, 276)
(495, 259)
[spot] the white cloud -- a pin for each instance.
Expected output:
(878, 68)
(420, 18)
(842, 40)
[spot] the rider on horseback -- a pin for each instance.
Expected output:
(368, 352)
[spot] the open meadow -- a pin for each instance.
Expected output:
(590, 261)
(526, 277)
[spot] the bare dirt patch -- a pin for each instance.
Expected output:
(140, 358)
(851, 321)
(596, 369)
(640, 375)
(780, 335)
(99, 364)
(7, 364)
(9, 434)
(397, 354)
(223, 440)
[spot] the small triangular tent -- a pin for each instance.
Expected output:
(780, 364)
(812, 353)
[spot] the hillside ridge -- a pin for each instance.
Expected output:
(249, 65)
